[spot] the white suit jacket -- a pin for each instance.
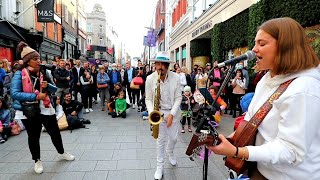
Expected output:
(174, 90)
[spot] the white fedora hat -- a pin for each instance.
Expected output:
(162, 56)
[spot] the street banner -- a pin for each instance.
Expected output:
(45, 11)
(152, 38)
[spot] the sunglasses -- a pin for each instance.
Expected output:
(141, 68)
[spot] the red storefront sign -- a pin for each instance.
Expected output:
(6, 53)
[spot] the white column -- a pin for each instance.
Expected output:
(188, 58)
(180, 56)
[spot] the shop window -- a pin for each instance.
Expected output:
(89, 40)
(66, 14)
(89, 27)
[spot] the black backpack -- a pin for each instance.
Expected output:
(74, 122)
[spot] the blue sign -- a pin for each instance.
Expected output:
(151, 39)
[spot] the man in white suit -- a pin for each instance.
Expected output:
(169, 106)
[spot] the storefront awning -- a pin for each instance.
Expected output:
(8, 31)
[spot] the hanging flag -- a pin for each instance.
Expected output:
(45, 11)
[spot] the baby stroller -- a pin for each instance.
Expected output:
(200, 110)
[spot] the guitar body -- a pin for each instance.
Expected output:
(239, 140)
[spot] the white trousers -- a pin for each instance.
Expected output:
(169, 135)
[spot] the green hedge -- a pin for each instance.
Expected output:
(216, 43)
(241, 29)
(235, 31)
(200, 47)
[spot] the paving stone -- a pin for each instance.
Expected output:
(83, 146)
(44, 156)
(81, 166)
(130, 145)
(133, 164)
(106, 165)
(14, 156)
(108, 139)
(16, 167)
(146, 153)
(101, 146)
(96, 175)
(33, 176)
(122, 139)
(88, 139)
(55, 167)
(69, 176)
(124, 154)
(97, 155)
(126, 174)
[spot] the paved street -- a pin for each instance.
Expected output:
(112, 149)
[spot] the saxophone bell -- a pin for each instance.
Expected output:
(155, 117)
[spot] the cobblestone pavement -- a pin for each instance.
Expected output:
(112, 149)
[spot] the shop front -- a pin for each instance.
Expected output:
(9, 39)
(49, 50)
(70, 41)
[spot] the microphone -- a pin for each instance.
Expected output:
(48, 66)
(249, 55)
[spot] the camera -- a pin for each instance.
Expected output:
(48, 67)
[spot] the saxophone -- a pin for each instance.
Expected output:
(155, 116)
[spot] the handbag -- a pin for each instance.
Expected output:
(30, 109)
(137, 81)
(15, 128)
(62, 122)
(133, 86)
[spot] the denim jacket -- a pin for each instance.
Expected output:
(103, 78)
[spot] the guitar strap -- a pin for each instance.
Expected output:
(250, 130)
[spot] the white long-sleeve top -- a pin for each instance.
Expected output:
(173, 94)
(59, 111)
(183, 81)
(288, 139)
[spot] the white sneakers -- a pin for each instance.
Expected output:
(90, 109)
(173, 160)
(87, 110)
(67, 156)
(38, 168)
(133, 106)
(158, 173)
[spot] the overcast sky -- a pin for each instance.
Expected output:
(129, 18)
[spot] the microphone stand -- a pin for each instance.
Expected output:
(200, 126)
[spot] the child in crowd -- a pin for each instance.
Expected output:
(187, 104)
(117, 89)
(5, 117)
(223, 105)
(244, 103)
(120, 106)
